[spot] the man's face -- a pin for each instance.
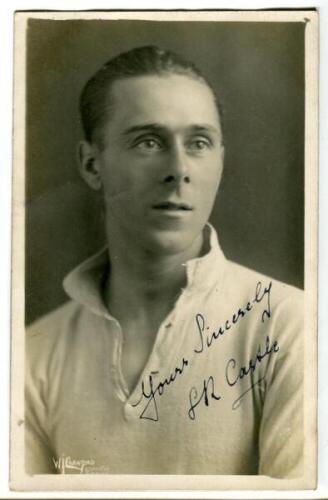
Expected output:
(161, 162)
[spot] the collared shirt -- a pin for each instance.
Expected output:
(221, 392)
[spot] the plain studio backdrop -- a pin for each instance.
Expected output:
(258, 71)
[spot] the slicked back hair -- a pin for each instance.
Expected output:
(95, 102)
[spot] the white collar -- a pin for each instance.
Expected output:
(84, 284)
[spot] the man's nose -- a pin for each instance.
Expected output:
(177, 170)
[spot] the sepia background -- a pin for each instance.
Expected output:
(258, 71)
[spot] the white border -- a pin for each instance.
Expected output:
(20, 480)
(6, 20)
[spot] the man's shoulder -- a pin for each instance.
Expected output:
(46, 338)
(277, 308)
(247, 280)
(55, 320)
(52, 331)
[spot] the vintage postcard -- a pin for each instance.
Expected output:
(164, 292)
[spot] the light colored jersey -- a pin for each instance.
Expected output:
(221, 393)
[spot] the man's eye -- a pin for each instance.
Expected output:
(200, 144)
(149, 145)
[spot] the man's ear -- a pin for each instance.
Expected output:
(89, 164)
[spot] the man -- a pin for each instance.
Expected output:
(168, 359)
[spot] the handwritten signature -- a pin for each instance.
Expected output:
(152, 412)
(194, 400)
(236, 316)
(233, 374)
(152, 389)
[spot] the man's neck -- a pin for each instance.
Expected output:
(145, 284)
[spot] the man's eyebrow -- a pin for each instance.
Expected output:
(204, 128)
(156, 127)
(147, 127)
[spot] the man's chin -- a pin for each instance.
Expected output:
(168, 242)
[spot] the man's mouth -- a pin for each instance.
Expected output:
(171, 206)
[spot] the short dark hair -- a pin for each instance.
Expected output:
(147, 60)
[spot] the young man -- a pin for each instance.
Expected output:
(168, 359)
